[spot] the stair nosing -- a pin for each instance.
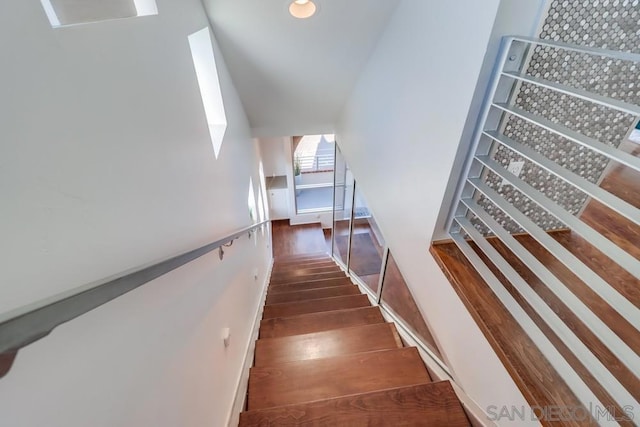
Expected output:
(291, 259)
(293, 265)
(316, 299)
(349, 395)
(302, 279)
(389, 324)
(277, 365)
(313, 289)
(310, 281)
(318, 312)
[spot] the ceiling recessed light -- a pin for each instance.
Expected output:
(302, 8)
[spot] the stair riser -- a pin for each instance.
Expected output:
(334, 291)
(315, 284)
(290, 260)
(305, 272)
(305, 264)
(318, 322)
(308, 278)
(315, 306)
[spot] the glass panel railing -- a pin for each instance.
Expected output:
(358, 244)
(367, 245)
(397, 297)
(342, 208)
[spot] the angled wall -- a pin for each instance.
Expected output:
(412, 109)
(105, 164)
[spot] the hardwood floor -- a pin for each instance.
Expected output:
(321, 362)
(535, 377)
(538, 381)
(297, 240)
(623, 181)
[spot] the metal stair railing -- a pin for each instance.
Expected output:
(470, 223)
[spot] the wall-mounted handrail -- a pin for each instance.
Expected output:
(23, 326)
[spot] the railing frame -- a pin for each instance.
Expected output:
(508, 74)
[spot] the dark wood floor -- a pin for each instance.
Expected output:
(535, 377)
(624, 183)
(297, 240)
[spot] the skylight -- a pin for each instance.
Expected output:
(63, 13)
(207, 74)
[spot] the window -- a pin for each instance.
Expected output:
(313, 172)
(207, 74)
(63, 13)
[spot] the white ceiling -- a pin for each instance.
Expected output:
(294, 75)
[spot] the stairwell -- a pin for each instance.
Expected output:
(325, 356)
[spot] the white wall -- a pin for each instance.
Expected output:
(514, 17)
(106, 164)
(273, 155)
(399, 132)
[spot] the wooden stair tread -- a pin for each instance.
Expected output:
(308, 277)
(358, 339)
(314, 306)
(429, 405)
(309, 294)
(313, 284)
(309, 380)
(317, 322)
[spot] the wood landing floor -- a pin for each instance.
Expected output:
(538, 381)
(326, 357)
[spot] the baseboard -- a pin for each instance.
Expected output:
(243, 383)
(431, 360)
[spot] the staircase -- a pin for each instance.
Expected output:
(325, 356)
